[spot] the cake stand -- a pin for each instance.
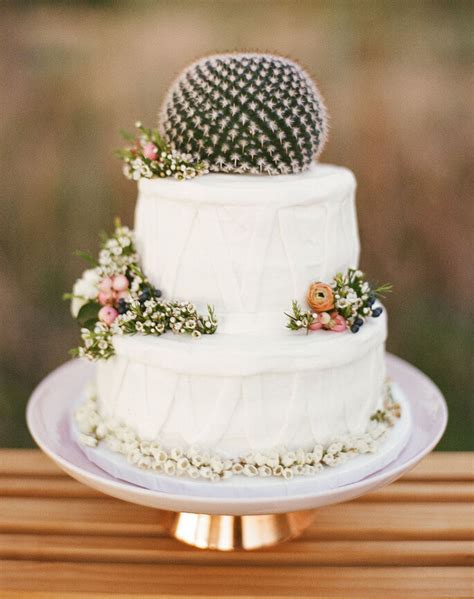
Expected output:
(228, 523)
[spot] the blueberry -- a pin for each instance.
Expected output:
(359, 322)
(377, 312)
(372, 298)
(158, 293)
(355, 328)
(122, 306)
(144, 295)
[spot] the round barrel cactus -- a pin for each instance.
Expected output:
(246, 113)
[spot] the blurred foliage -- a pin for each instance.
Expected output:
(397, 78)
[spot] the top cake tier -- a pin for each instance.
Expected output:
(248, 245)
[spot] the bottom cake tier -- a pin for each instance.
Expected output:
(241, 401)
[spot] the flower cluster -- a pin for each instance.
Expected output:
(313, 321)
(108, 282)
(115, 297)
(346, 303)
(354, 298)
(193, 462)
(149, 156)
(155, 317)
(391, 409)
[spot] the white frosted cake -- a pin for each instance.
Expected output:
(267, 391)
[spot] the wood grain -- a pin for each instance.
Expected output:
(225, 581)
(27, 462)
(443, 466)
(60, 539)
(107, 516)
(416, 491)
(301, 552)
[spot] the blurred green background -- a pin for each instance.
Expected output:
(397, 78)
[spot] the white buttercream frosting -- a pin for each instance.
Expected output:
(233, 394)
(247, 244)
(193, 462)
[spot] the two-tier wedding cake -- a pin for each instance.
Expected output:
(232, 329)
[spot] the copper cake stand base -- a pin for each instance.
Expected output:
(227, 533)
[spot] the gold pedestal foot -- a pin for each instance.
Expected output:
(226, 533)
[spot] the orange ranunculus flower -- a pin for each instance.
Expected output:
(320, 297)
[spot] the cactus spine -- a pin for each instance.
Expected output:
(246, 113)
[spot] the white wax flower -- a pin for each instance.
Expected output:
(334, 448)
(227, 465)
(250, 470)
(144, 462)
(329, 459)
(134, 456)
(264, 471)
(179, 462)
(159, 455)
(85, 289)
(183, 463)
(217, 465)
(176, 453)
(88, 440)
(287, 459)
(259, 459)
(170, 467)
(101, 431)
(205, 472)
(85, 426)
(145, 448)
(272, 462)
(193, 472)
(300, 456)
(131, 446)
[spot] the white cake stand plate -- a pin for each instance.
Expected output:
(227, 522)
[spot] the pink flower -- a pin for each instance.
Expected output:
(107, 314)
(150, 151)
(120, 283)
(106, 284)
(337, 323)
(122, 295)
(106, 297)
(320, 321)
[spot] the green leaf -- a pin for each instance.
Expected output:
(382, 289)
(89, 324)
(124, 154)
(88, 312)
(126, 135)
(104, 237)
(86, 256)
(159, 141)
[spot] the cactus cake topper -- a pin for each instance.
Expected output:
(246, 113)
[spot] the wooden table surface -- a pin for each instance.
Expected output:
(411, 539)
